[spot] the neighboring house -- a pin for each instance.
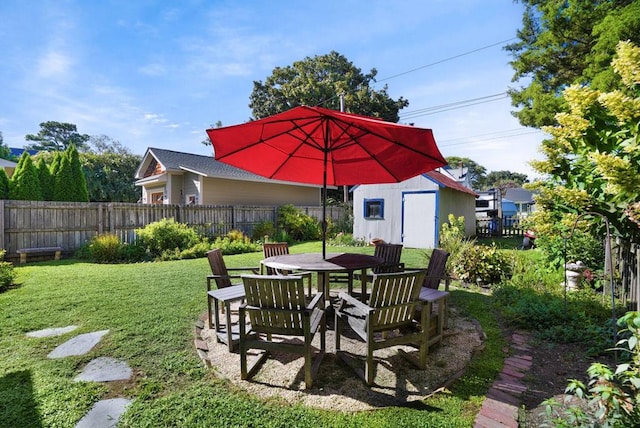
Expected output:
(170, 177)
(411, 212)
(8, 166)
(523, 200)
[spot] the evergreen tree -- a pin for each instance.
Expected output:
(25, 183)
(70, 183)
(47, 181)
(4, 184)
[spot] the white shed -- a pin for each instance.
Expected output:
(411, 212)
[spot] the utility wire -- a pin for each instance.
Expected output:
(485, 139)
(452, 106)
(446, 59)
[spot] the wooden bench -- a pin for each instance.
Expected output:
(55, 251)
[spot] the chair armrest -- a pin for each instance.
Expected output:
(363, 308)
(255, 270)
(318, 298)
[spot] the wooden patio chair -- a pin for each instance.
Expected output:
(270, 249)
(435, 273)
(277, 305)
(391, 254)
(220, 274)
(436, 270)
(392, 305)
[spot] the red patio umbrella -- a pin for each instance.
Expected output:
(326, 147)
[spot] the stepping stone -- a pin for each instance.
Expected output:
(78, 345)
(47, 332)
(104, 414)
(105, 369)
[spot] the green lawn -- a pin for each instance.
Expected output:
(150, 310)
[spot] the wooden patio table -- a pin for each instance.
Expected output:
(334, 262)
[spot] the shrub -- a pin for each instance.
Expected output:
(7, 272)
(166, 234)
(235, 242)
(262, 229)
(581, 246)
(613, 396)
(106, 248)
(453, 241)
(482, 263)
(298, 225)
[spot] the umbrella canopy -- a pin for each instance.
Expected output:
(320, 146)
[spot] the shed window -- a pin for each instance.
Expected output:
(374, 208)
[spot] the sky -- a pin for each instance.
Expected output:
(153, 73)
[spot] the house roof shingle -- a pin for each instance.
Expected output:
(445, 181)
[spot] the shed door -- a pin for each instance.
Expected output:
(419, 219)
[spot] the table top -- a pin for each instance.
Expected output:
(334, 262)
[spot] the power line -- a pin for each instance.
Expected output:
(485, 139)
(452, 106)
(447, 59)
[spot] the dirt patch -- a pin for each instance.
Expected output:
(337, 387)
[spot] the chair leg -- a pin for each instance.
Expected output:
(369, 368)
(243, 345)
(337, 328)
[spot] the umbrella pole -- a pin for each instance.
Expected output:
(324, 194)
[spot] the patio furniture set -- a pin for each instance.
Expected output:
(395, 306)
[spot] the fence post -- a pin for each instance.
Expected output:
(2, 223)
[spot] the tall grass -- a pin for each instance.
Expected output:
(150, 310)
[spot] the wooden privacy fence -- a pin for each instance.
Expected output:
(70, 225)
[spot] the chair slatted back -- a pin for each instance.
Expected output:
(436, 268)
(218, 267)
(275, 304)
(394, 298)
(274, 249)
(391, 254)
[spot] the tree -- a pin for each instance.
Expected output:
(70, 183)
(475, 171)
(319, 81)
(47, 181)
(504, 180)
(5, 151)
(109, 171)
(565, 42)
(207, 141)
(25, 183)
(593, 158)
(4, 184)
(57, 136)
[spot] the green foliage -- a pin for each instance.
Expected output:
(581, 246)
(452, 240)
(4, 184)
(263, 229)
(25, 182)
(166, 234)
(110, 176)
(5, 151)
(319, 81)
(57, 136)
(47, 181)
(592, 161)
(565, 42)
(346, 239)
(105, 248)
(7, 273)
(78, 189)
(235, 242)
(482, 264)
(298, 225)
(613, 395)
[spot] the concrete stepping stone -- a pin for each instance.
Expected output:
(78, 345)
(104, 369)
(48, 332)
(104, 414)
